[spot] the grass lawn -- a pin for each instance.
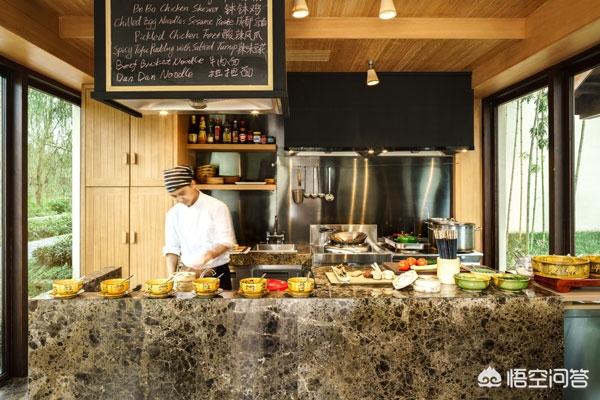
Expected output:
(41, 276)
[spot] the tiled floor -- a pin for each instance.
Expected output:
(14, 389)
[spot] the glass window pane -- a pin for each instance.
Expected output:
(523, 178)
(2, 247)
(586, 167)
(52, 122)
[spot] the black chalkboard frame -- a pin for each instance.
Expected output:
(279, 89)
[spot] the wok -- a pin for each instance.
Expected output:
(348, 237)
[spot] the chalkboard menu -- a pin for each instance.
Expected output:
(188, 45)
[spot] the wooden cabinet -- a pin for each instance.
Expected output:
(148, 208)
(105, 143)
(105, 239)
(152, 148)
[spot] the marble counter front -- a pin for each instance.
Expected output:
(338, 345)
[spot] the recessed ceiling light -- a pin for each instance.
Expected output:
(163, 112)
(254, 112)
(384, 151)
(300, 9)
(371, 151)
(387, 10)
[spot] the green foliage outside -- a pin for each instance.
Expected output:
(57, 254)
(41, 276)
(52, 225)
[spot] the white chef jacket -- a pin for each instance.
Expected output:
(191, 231)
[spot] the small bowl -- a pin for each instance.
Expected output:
(469, 281)
(66, 287)
(483, 271)
(594, 266)
(511, 282)
(114, 286)
(206, 285)
(301, 285)
(253, 285)
(158, 286)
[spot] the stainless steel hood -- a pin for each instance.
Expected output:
(183, 106)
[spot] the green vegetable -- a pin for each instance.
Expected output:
(408, 239)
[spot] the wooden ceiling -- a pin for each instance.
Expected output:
(351, 55)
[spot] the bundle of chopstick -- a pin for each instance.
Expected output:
(446, 242)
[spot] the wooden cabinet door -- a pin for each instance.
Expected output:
(152, 148)
(106, 229)
(149, 206)
(105, 142)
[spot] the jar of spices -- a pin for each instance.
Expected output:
(263, 138)
(256, 137)
(270, 139)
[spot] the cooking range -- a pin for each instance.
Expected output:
(341, 243)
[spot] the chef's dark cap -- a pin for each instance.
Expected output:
(178, 177)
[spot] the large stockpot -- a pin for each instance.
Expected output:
(465, 232)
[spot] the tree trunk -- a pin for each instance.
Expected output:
(521, 170)
(529, 165)
(535, 194)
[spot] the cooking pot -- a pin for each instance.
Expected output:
(465, 232)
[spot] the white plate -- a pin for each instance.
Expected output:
(405, 279)
(251, 183)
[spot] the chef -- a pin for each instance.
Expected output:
(198, 229)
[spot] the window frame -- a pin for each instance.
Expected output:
(18, 79)
(559, 80)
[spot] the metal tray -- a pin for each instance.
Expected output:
(403, 246)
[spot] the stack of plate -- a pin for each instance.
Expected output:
(205, 171)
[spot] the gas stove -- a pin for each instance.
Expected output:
(326, 252)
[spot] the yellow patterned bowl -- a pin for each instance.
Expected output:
(561, 267)
(206, 285)
(158, 286)
(114, 286)
(594, 266)
(253, 285)
(301, 285)
(66, 287)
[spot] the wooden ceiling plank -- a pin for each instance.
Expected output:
(555, 31)
(40, 27)
(75, 27)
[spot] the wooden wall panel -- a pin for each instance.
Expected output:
(106, 143)
(153, 148)
(149, 206)
(468, 181)
(106, 226)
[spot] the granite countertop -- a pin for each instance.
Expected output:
(301, 257)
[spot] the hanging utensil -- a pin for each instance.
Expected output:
(329, 196)
(314, 193)
(298, 193)
(319, 193)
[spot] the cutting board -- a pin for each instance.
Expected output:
(565, 285)
(358, 280)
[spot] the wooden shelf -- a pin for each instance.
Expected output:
(237, 187)
(233, 147)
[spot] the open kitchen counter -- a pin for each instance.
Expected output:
(341, 344)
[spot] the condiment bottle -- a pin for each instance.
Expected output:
(202, 131)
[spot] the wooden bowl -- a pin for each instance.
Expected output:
(215, 180)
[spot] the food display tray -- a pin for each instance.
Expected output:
(403, 246)
(357, 280)
(565, 285)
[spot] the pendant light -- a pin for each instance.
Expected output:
(372, 78)
(387, 10)
(300, 9)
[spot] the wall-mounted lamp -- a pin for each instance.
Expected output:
(372, 78)
(163, 113)
(387, 10)
(300, 9)
(254, 112)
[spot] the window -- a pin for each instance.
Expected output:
(53, 125)
(523, 192)
(2, 246)
(586, 169)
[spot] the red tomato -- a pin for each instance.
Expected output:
(403, 265)
(421, 262)
(411, 261)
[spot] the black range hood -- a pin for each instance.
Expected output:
(187, 56)
(405, 112)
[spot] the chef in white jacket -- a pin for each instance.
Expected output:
(198, 229)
